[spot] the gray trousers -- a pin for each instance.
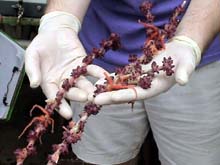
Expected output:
(185, 122)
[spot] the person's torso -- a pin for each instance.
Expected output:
(121, 17)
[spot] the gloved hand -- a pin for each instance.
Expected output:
(185, 54)
(52, 55)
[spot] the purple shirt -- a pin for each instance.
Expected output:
(121, 16)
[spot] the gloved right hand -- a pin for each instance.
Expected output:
(52, 55)
(185, 56)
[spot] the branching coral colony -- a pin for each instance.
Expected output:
(126, 77)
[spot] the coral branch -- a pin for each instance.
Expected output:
(170, 28)
(73, 132)
(126, 77)
(42, 122)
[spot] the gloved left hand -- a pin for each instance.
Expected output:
(185, 54)
(53, 54)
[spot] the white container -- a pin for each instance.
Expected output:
(11, 59)
(28, 1)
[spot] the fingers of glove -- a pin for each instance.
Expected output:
(76, 94)
(65, 110)
(101, 81)
(84, 84)
(50, 90)
(81, 90)
(82, 87)
(32, 66)
(114, 98)
(96, 71)
(183, 71)
(137, 93)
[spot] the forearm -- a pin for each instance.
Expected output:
(201, 22)
(76, 7)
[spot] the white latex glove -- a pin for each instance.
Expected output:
(52, 55)
(185, 54)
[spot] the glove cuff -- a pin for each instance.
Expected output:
(57, 20)
(191, 43)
